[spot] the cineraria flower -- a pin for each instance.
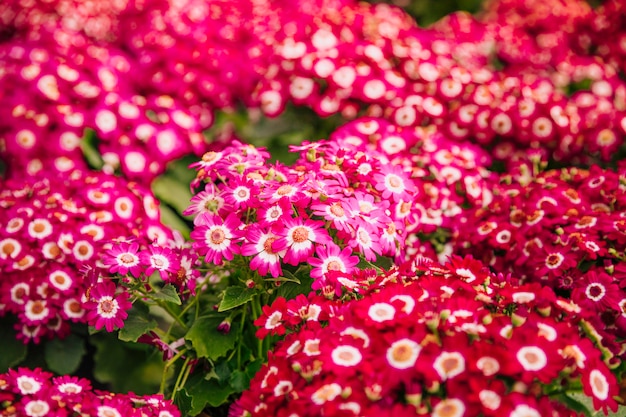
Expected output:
(159, 258)
(52, 229)
(411, 339)
(216, 238)
(36, 393)
(260, 244)
(331, 258)
(298, 236)
(106, 307)
(124, 257)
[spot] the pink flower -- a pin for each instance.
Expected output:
(331, 258)
(216, 238)
(393, 182)
(260, 243)
(159, 258)
(298, 236)
(122, 258)
(105, 308)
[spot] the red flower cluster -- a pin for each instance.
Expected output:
(36, 393)
(448, 340)
(365, 190)
(50, 229)
(564, 229)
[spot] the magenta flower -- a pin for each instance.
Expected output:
(105, 308)
(332, 258)
(122, 258)
(216, 238)
(260, 243)
(298, 237)
(159, 258)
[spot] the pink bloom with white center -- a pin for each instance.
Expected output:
(393, 182)
(159, 258)
(366, 241)
(260, 243)
(105, 308)
(122, 258)
(298, 237)
(332, 258)
(216, 238)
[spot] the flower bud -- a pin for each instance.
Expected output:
(224, 326)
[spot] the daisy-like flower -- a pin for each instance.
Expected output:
(393, 182)
(298, 236)
(122, 258)
(105, 308)
(241, 193)
(216, 238)
(260, 245)
(332, 258)
(162, 259)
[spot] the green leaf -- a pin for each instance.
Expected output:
(574, 404)
(13, 351)
(184, 402)
(206, 391)
(290, 290)
(207, 341)
(236, 296)
(168, 293)
(239, 380)
(64, 356)
(137, 324)
(89, 146)
(173, 192)
(173, 220)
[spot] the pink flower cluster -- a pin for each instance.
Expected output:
(50, 229)
(363, 191)
(36, 393)
(451, 340)
(148, 79)
(563, 229)
(374, 58)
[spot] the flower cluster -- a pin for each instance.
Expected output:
(449, 340)
(51, 229)
(68, 67)
(363, 191)
(564, 229)
(444, 75)
(36, 393)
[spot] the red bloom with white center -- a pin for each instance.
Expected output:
(122, 258)
(260, 245)
(216, 238)
(107, 308)
(298, 236)
(597, 291)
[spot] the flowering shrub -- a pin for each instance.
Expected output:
(447, 340)
(51, 228)
(27, 392)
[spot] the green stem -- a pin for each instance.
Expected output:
(257, 311)
(168, 364)
(182, 377)
(240, 336)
